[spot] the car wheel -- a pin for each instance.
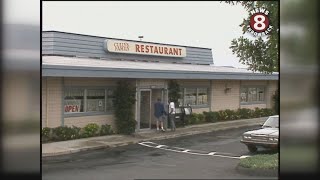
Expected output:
(252, 148)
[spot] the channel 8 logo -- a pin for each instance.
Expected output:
(259, 24)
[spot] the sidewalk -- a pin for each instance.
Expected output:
(73, 146)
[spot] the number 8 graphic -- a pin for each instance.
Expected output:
(257, 22)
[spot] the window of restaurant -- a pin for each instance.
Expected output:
(194, 96)
(88, 100)
(252, 94)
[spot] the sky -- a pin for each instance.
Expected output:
(200, 24)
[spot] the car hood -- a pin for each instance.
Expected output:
(264, 131)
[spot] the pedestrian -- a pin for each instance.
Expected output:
(172, 112)
(159, 113)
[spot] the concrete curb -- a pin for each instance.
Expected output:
(258, 172)
(103, 146)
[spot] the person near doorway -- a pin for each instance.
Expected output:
(159, 113)
(172, 111)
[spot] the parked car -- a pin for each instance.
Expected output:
(267, 136)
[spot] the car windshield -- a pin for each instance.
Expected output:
(272, 122)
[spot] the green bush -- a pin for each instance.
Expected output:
(124, 101)
(231, 115)
(193, 118)
(210, 116)
(222, 115)
(106, 130)
(244, 113)
(90, 130)
(266, 112)
(45, 134)
(63, 133)
(257, 113)
(200, 118)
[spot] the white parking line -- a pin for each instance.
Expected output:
(159, 146)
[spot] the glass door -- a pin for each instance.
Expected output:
(145, 109)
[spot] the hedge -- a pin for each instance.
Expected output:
(63, 133)
(226, 115)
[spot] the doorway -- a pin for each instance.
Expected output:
(145, 109)
(148, 97)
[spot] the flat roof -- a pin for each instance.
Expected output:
(60, 66)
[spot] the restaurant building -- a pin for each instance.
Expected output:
(80, 73)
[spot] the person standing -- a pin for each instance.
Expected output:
(172, 112)
(159, 113)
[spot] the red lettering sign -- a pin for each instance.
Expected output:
(71, 108)
(137, 48)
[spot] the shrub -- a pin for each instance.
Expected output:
(90, 130)
(266, 112)
(45, 134)
(63, 133)
(210, 116)
(257, 113)
(200, 118)
(193, 118)
(231, 115)
(222, 115)
(124, 101)
(105, 130)
(244, 113)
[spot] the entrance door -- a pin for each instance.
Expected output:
(145, 109)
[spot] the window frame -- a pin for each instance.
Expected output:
(257, 97)
(85, 113)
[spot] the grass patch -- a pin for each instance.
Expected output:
(261, 161)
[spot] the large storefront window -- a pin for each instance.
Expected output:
(194, 96)
(243, 95)
(202, 96)
(190, 96)
(96, 100)
(74, 100)
(252, 94)
(88, 100)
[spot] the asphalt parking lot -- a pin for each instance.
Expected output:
(213, 155)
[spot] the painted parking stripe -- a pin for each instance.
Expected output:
(188, 151)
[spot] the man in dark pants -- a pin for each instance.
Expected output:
(159, 113)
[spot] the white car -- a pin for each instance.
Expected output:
(267, 136)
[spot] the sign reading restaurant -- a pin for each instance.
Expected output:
(144, 48)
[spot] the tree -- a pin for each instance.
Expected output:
(174, 91)
(260, 54)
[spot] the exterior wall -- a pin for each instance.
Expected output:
(84, 120)
(252, 106)
(102, 82)
(147, 83)
(44, 103)
(54, 102)
(68, 44)
(221, 100)
(272, 87)
(200, 110)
